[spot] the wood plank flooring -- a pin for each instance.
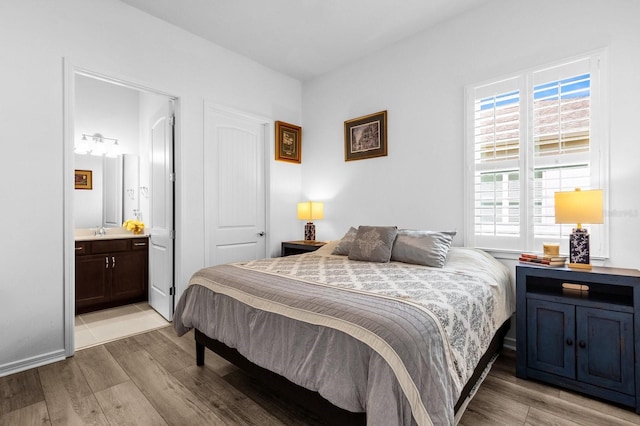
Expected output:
(152, 379)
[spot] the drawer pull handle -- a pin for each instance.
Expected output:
(139, 244)
(582, 344)
(79, 248)
(569, 342)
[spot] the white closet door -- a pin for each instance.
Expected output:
(234, 187)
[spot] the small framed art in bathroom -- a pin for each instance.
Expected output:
(83, 179)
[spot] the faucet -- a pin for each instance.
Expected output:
(100, 230)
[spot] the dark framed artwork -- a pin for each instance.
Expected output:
(83, 179)
(365, 137)
(288, 142)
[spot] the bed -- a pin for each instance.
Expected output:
(404, 343)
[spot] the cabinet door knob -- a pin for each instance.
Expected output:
(569, 341)
(113, 258)
(582, 344)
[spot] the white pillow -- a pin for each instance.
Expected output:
(427, 248)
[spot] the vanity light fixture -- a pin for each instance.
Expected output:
(97, 144)
(83, 147)
(113, 150)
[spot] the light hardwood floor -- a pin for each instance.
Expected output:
(152, 379)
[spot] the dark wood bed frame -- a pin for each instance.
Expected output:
(312, 400)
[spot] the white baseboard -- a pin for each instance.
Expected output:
(29, 363)
(509, 343)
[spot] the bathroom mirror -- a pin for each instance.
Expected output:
(115, 194)
(112, 192)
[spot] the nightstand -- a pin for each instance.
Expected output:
(586, 341)
(298, 247)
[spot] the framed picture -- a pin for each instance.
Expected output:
(288, 142)
(83, 179)
(365, 137)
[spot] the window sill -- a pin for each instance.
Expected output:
(513, 255)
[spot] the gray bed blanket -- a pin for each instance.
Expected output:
(382, 354)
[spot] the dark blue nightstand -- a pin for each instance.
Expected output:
(587, 341)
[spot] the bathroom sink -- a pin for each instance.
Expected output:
(86, 234)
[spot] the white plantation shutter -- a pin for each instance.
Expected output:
(497, 128)
(496, 162)
(497, 203)
(528, 137)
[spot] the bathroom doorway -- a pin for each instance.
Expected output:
(124, 136)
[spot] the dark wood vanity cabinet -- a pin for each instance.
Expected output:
(111, 273)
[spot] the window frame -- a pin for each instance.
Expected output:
(523, 80)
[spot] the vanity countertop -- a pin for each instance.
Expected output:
(89, 234)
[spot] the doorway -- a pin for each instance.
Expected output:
(136, 125)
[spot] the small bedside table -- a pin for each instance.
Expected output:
(298, 247)
(586, 341)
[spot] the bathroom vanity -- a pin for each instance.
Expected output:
(111, 270)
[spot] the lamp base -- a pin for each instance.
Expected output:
(309, 232)
(579, 249)
(586, 266)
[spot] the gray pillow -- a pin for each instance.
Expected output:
(346, 242)
(373, 243)
(427, 248)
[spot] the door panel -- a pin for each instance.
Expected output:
(129, 275)
(92, 276)
(161, 257)
(605, 349)
(551, 335)
(234, 188)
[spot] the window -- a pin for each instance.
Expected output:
(529, 136)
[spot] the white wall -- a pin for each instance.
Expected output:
(108, 37)
(421, 81)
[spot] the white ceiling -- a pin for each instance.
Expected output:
(304, 38)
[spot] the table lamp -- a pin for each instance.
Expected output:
(309, 211)
(579, 207)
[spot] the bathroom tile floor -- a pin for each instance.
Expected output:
(95, 328)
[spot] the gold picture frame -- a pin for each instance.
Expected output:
(365, 137)
(288, 142)
(83, 179)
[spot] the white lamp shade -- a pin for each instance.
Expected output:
(579, 206)
(310, 210)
